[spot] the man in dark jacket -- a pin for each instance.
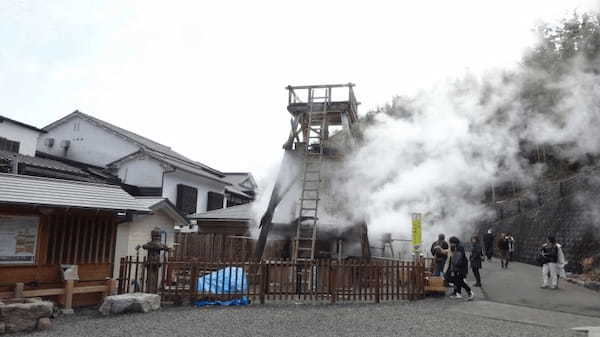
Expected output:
(475, 259)
(488, 244)
(503, 246)
(458, 268)
(439, 250)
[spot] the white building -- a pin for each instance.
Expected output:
(150, 168)
(132, 235)
(18, 137)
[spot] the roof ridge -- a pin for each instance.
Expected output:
(189, 161)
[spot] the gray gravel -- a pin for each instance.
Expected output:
(422, 318)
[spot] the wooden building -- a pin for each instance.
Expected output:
(46, 223)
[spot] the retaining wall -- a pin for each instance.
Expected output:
(569, 209)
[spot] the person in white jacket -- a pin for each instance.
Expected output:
(560, 264)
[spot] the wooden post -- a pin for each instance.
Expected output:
(69, 285)
(110, 287)
(377, 285)
(194, 283)
(332, 277)
(263, 282)
(19, 290)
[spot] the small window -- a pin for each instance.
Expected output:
(215, 201)
(187, 198)
(9, 145)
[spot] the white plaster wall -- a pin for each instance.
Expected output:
(89, 143)
(144, 171)
(27, 137)
(121, 246)
(204, 185)
(137, 232)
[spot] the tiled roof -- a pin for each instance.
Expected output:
(21, 189)
(158, 203)
(194, 169)
(40, 162)
(149, 201)
(239, 212)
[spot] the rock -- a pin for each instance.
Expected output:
(136, 302)
(24, 315)
(44, 323)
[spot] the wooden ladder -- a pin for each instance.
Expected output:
(306, 233)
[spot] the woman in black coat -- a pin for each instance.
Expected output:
(458, 268)
(475, 259)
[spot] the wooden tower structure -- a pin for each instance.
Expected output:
(318, 112)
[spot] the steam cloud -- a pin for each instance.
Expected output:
(438, 152)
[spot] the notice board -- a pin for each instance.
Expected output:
(18, 239)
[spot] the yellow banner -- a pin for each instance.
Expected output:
(416, 229)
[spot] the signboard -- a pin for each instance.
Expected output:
(18, 239)
(416, 230)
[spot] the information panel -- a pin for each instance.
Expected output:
(18, 239)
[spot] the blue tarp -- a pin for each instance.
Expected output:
(230, 280)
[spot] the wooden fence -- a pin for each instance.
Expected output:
(213, 246)
(319, 280)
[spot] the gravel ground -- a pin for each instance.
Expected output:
(422, 318)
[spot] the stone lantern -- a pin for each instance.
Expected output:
(154, 249)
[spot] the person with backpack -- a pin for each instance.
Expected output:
(458, 268)
(548, 258)
(475, 259)
(439, 250)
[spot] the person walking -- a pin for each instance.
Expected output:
(503, 247)
(560, 264)
(511, 246)
(439, 250)
(548, 257)
(475, 259)
(488, 243)
(458, 268)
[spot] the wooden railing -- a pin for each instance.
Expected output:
(320, 280)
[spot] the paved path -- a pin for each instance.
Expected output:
(525, 315)
(520, 285)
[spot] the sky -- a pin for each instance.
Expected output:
(208, 78)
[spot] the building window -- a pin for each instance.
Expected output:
(234, 200)
(187, 198)
(215, 201)
(9, 145)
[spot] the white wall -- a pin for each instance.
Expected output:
(17, 133)
(137, 232)
(89, 143)
(143, 171)
(172, 179)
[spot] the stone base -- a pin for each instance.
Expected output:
(124, 303)
(24, 314)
